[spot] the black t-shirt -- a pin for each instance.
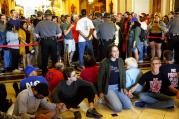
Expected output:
(170, 71)
(64, 91)
(114, 73)
(154, 83)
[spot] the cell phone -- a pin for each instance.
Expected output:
(114, 115)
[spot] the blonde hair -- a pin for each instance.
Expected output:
(131, 62)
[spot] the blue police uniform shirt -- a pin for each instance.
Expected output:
(32, 81)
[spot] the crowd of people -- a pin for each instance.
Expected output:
(119, 42)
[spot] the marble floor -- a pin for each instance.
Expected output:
(134, 113)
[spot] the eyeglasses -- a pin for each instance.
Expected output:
(155, 63)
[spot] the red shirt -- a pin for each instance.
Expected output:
(53, 77)
(75, 33)
(90, 74)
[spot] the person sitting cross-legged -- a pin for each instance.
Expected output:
(72, 91)
(155, 86)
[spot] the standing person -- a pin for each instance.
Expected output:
(96, 41)
(72, 91)
(143, 35)
(12, 39)
(112, 81)
(75, 34)
(85, 27)
(170, 70)
(48, 32)
(32, 104)
(134, 43)
(38, 18)
(14, 19)
(156, 28)
(173, 41)
(155, 86)
(6, 51)
(25, 38)
(106, 33)
(69, 43)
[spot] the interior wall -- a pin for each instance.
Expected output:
(140, 6)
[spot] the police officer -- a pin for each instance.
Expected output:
(48, 32)
(173, 42)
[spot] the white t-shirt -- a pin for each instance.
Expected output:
(143, 25)
(12, 39)
(84, 25)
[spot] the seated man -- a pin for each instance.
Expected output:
(31, 103)
(155, 86)
(170, 70)
(73, 91)
(32, 79)
(55, 75)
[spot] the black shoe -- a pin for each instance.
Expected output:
(140, 104)
(93, 113)
(171, 107)
(77, 115)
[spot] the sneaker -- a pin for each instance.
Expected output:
(139, 104)
(93, 113)
(140, 61)
(77, 115)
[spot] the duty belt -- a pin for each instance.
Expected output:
(50, 38)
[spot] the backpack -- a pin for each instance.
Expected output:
(143, 35)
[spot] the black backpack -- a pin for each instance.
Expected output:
(143, 35)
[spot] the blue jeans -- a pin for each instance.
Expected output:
(156, 100)
(140, 49)
(82, 46)
(7, 58)
(117, 100)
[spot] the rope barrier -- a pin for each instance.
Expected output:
(37, 43)
(19, 45)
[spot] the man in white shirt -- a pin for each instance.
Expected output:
(85, 27)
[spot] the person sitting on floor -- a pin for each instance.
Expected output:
(72, 91)
(32, 78)
(155, 86)
(112, 81)
(55, 75)
(170, 70)
(133, 74)
(90, 72)
(32, 104)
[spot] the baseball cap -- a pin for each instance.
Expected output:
(29, 69)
